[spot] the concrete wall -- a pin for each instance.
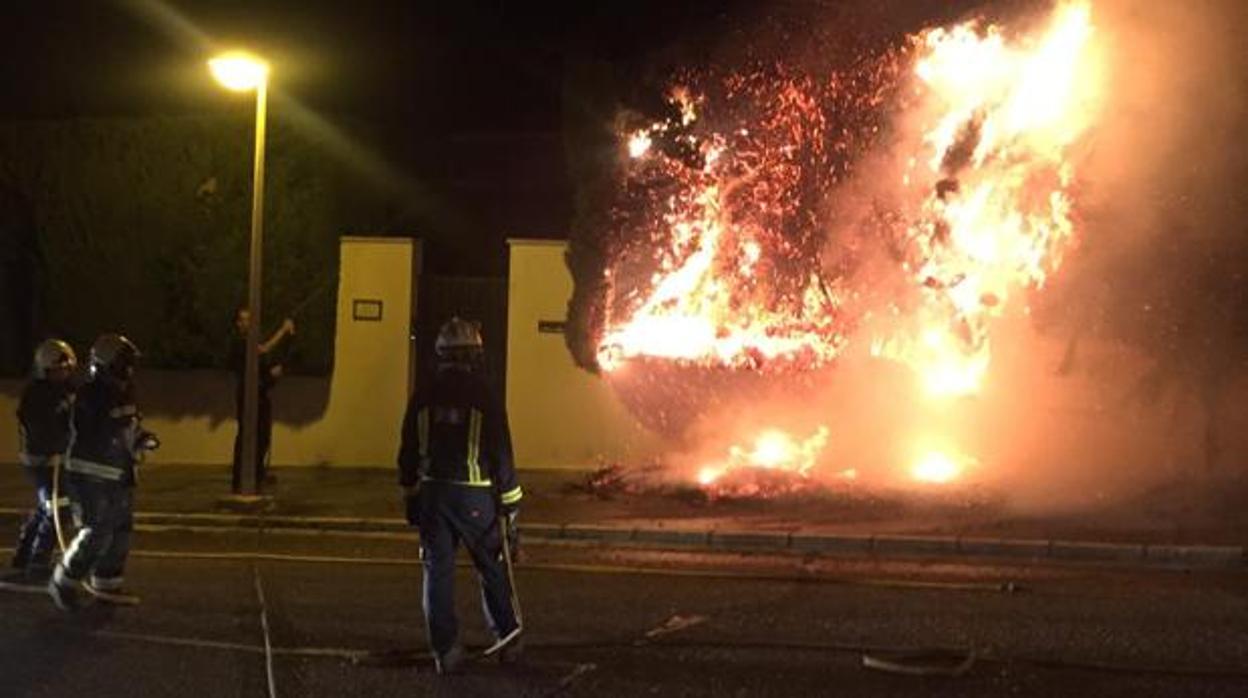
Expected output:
(561, 416)
(369, 388)
(351, 418)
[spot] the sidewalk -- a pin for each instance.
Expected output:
(558, 504)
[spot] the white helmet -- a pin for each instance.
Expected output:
(52, 354)
(458, 336)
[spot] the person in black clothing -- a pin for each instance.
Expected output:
(270, 371)
(458, 479)
(106, 448)
(43, 420)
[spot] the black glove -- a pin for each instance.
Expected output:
(148, 441)
(411, 505)
(144, 441)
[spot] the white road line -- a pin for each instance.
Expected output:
(264, 624)
(24, 588)
(573, 568)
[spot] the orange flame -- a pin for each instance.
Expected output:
(986, 205)
(999, 215)
(773, 449)
(936, 467)
(993, 216)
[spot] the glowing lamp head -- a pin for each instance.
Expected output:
(239, 71)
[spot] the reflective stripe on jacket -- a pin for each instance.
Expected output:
(455, 431)
(106, 424)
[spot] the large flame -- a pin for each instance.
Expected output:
(994, 168)
(717, 295)
(982, 212)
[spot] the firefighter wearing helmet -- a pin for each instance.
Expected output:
(459, 483)
(108, 444)
(43, 421)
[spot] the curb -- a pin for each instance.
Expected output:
(721, 540)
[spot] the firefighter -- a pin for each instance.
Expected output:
(108, 444)
(43, 420)
(459, 485)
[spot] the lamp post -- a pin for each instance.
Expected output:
(241, 72)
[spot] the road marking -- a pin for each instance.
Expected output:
(199, 643)
(995, 587)
(675, 624)
(566, 682)
(24, 588)
(264, 625)
(239, 556)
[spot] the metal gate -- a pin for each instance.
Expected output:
(482, 299)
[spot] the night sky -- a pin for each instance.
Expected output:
(465, 98)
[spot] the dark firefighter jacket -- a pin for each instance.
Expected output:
(455, 431)
(106, 426)
(43, 420)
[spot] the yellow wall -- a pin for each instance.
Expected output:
(561, 416)
(369, 388)
(367, 394)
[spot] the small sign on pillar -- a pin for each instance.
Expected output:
(366, 309)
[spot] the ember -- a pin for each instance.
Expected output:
(731, 263)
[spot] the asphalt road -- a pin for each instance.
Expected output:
(346, 620)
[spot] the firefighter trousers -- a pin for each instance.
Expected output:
(38, 534)
(105, 510)
(451, 514)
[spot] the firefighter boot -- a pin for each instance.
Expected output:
(67, 593)
(451, 662)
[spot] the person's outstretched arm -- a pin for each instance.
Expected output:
(287, 328)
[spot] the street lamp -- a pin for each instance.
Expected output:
(240, 71)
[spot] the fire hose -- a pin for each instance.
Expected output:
(505, 533)
(511, 575)
(56, 504)
(147, 441)
(927, 662)
(320, 288)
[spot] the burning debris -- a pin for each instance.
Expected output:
(730, 254)
(772, 450)
(937, 467)
(613, 480)
(761, 483)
